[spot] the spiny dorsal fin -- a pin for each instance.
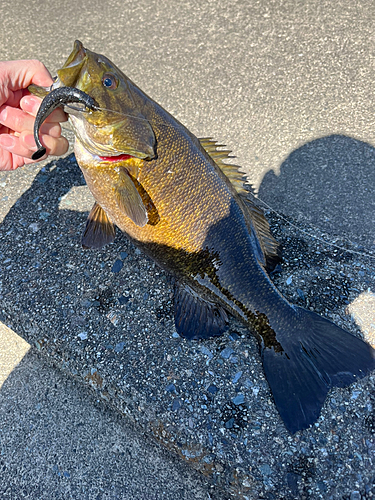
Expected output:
(232, 173)
(268, 254)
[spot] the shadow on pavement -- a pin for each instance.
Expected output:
(328, 183)
(47, 273)
(50, 283)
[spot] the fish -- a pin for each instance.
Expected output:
(177, 200)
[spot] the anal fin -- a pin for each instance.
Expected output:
(99, 229)
(196, 318)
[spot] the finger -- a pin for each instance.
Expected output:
(55, 146)
(20, 74)
(13, 145)
(14, 98)
(31, 104)
(18, 121)
(24, 145)
(9, 161)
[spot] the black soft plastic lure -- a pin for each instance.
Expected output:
(56, 98)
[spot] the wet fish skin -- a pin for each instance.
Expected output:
(192, 217)
(54, 99)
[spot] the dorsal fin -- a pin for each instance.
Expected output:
(257, 223)
(231, 172)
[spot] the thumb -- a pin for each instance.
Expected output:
(20, 74)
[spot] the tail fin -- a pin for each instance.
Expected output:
(316, 355)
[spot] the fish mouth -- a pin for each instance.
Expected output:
(69, 73)
(54, 99)
(104, 133)
(104, 151)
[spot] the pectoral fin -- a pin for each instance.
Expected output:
(129, 200)
(99, 229)
(195, 317)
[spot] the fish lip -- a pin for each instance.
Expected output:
(99, 152)
(77, 56)
(70, 109)
(69, 72)
(114, 158)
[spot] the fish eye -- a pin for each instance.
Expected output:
(109, 81)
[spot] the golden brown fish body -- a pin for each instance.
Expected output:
(175, 198)
(198, 212)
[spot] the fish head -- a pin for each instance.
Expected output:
(118, 126)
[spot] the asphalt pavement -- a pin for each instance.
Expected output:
(58, 441)
(288, 86)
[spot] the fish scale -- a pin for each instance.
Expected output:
(176, 199)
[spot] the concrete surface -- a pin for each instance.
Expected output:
(288, 86)
(12, 350)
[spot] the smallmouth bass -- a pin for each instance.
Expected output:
(176, 199)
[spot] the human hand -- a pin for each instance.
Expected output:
(17, 115)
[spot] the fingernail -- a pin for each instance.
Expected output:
(30, 103)
(3, 114)
(7, 141)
